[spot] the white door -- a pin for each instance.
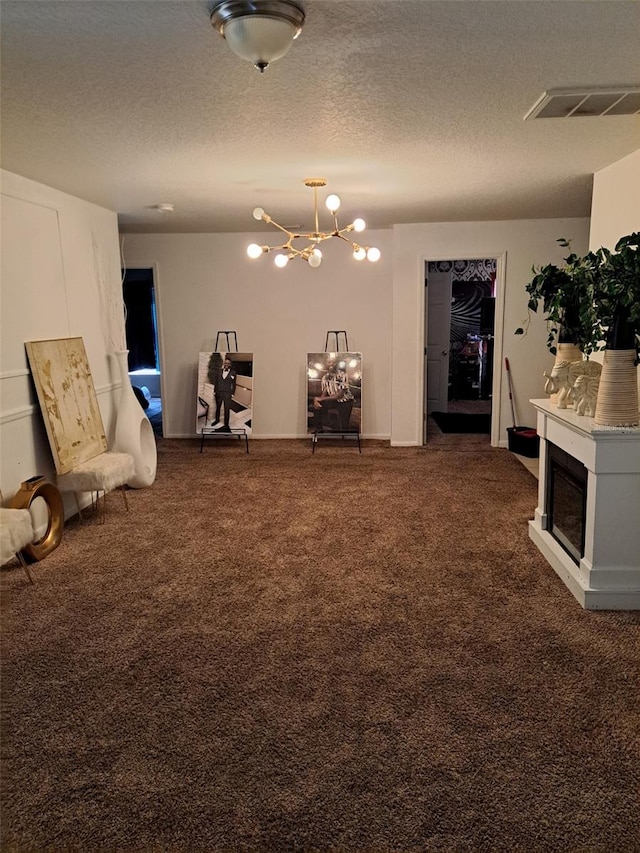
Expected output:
(437, 326)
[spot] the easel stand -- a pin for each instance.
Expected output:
(232, 432)
(343, 435)
(214, 432)
(226, 334)
(336, 334)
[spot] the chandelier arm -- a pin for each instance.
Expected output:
(292, 251)
(283, 246)
(315, 236)
(342, 237)
(281, 228)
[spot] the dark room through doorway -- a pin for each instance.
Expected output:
(141, 327)
(459, 345)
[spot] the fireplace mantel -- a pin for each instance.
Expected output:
(608, 575)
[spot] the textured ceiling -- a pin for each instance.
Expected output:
(412, 109)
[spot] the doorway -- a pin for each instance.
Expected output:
(141, 329)
(460, 301)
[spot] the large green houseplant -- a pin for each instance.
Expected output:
(616, 295)
(565, 295)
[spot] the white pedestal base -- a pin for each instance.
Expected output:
(567, 571)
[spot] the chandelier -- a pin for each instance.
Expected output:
(260, 31)
(311, 252)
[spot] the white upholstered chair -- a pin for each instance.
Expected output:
(103, 473)
(16, 532)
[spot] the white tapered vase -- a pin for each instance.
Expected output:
(134, 433)
(617, 403)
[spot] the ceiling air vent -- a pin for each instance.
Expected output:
(577, 103)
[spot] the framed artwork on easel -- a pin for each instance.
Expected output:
(224, 399)
(334, 392)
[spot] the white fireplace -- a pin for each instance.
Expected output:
(587, 522)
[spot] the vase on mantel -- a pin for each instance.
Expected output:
(617, 403)
(134, 433)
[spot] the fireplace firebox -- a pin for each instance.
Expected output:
(566, 501)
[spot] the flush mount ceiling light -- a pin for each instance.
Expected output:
(260, 31)
(311, 253)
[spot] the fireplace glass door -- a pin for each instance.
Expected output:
(566, 501)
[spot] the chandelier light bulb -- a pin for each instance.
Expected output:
(333, 203)
(281, 261)
(254, 251)
(359, 224)
(317, 252)
(359, 253)
(373, 254)
(258, 213)
(315, 260)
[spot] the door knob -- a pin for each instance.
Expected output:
(445, 352)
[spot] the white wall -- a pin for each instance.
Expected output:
(206, 283)
(60, 278)
(615, 207)
(520, 244)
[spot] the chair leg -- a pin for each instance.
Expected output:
(80, 515)
(24, 565)
(99, 504)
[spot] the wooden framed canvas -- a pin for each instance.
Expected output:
(68, 400)
(334, 392)
(224, 400)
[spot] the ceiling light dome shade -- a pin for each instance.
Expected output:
(259, 31)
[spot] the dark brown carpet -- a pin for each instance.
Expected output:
(283, 651)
